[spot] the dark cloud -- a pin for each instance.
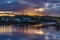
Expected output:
(53, 1)
(14, 6)
(17, 4)
(41, 1)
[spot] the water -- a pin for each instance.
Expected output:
(28, 32)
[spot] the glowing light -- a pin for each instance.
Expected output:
(33, 12)
(6, 13)
(5, 29)
(33, 31)
(40, 9)
(39, 25)
(39, 32)
(47, 4)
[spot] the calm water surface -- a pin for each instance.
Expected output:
(28, 32)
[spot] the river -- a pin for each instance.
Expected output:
(28, 32)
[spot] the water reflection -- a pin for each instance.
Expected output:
(25, 32)
(5, 29)
(33, 31)
(21, 32)
(12, 28)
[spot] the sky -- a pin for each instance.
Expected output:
(51, 6)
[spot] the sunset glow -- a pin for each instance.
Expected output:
(33, 31)
(40, 9)
(5, 29)
(33, 11)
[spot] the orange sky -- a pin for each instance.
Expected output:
(31, 11)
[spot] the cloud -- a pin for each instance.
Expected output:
(51, 6)
(11, 6)
(41, 1)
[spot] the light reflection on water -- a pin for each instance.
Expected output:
(12, 28)
(23, 32)
(15, 31)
